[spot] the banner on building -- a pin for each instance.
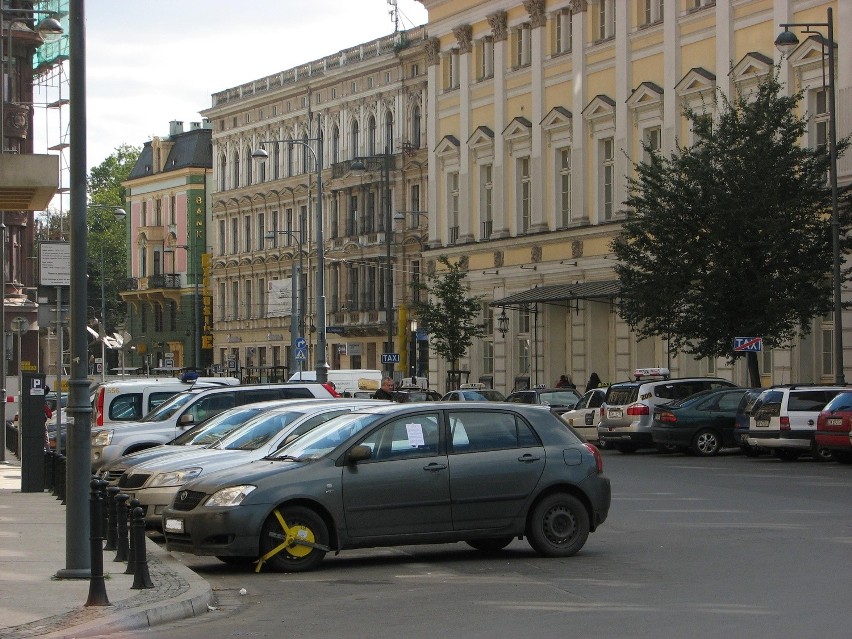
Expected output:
(279, 301)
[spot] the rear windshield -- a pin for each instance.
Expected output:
(747, 402)
(622, 395)
(841, 402)
(768, 404)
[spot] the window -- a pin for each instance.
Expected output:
(248, 161)
(389, 132)
(653, 141)
(524, 191)
(415, 127)
(827, 351)
(699, 4)
(605, 19)
(415, 281)
(410, 436)
(451, 70)
(222, 298)
(261, 230)
(335, 144)
(223, 171)
(486, 200)
(261, 298)
(247, 234)
(353, 140)
(488, 355)
(222, 237)
(521, 45)
(564, 187)
(415, 70)
(235, 236)
(562, 32)
(236, 169)
(485, 58)
(249, 311)
(172, 206)
(235, 300)
(523, 355)
(414, 202)
(488, 430)
(371, 135)
(820, 119)
(607, 176)
(453, 211)
(276, 161)
(650, 12)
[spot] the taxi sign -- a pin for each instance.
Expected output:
(646, 373)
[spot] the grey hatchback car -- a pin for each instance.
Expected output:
(400, 474)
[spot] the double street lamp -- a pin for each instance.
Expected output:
(261, 154)
(786, 42)
(383, 162)
(297, 308)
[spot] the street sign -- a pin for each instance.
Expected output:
(301, 354)
(748, 344)
(390, 358)
(335, 330)
(301, 343)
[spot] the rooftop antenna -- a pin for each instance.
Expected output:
(394, 14)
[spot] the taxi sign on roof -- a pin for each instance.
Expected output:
(646, 373)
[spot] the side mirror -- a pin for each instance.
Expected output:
(186, 420)
(358, 453)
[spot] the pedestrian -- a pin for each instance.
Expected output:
(594, 382)
(565, 381)
(48, 413)
(386, 389)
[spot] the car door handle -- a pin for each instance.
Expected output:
(433, 467)
(528, 459)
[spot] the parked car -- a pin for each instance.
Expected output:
(384, 476)
(474, 393)
(154, 483)
(834, 428)
(741, 421)
(627, 413)
(584, 416)
(559, 400)
(187, 409)
(199, 436)
(701, 424)
(783, 419)
(415, 394)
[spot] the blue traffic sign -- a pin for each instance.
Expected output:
(390, 358)
(748, 344)
(301, 354)
(301, 343)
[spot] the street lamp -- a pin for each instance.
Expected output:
(320, 363)
(413, 329)
(383, 161)
(196, 333)
(297, 309)
(503, 322)
(786, 42)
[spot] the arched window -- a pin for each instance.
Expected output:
(389, 132)
(236, 166)
(290, 159)
(306, 167)
(248, 161)
(371, 136)
(415, 127)
(223, 171)
(335, 144)
(276, 161)
(355, 145)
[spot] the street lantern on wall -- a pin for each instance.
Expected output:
(503, 322)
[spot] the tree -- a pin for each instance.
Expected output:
(730, 236)
(449, 311)
(107, 234)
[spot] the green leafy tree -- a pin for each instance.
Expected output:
(107, 235)
(449, 313)
(730, 236)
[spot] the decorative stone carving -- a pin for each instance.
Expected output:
(577, 248)
(577, 6)
(464, 36)
(536, 10)
(430, 268)
(498, 259)
(535, 254)
(498, 22)
(16, 121)
(433, 51)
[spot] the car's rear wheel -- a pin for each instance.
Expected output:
(820, 454)
(558, 526)
(706, 443)
(786, 455)
(626, 448)
(305, 530)
(490, 545)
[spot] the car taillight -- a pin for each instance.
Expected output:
(99, 408)
(668, 417)
(331, 390)
(785, 423)
(601, 412)
(597, 454)
(638, 409)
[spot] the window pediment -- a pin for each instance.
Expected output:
(697, 80)
(646, 95)
(558, 118)
(600, 107)
(518, 128)
(753, 66)
(448, 148)
(481, 142)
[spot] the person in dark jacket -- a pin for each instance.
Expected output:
(594, 382)
(565, 381)
(386, 390)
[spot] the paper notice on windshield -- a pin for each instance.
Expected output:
(415, 435)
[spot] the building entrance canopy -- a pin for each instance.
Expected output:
(562, 293)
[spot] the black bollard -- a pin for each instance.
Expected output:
(60, 483)
(131, 556)
(111, 535)
(121, 526)
(141, 576)
(97, 587)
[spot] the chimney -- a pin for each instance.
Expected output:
(194, 126)
(175, 127)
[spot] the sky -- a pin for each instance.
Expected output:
(149, 62)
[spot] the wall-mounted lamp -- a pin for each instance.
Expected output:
(503, 322)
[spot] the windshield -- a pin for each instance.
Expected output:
(168, 408)
(323, 439)
(841, 402)
(258, 431)
(216, 427)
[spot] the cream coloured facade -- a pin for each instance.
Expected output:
(366, 102)
(536, 111)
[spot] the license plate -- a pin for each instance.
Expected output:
(835, 421)
(173, 525)
(614, 413)
(761, 423)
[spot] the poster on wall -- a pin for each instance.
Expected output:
(279, 298)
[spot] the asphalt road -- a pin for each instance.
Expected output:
(723, 547)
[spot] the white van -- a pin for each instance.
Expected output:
(349, 382)
(129, 400)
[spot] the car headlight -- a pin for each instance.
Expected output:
(174, 478)
(102, 438)
(232, 496)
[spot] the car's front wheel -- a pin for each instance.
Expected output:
(706, 443)
(293, 539)
(558, 526)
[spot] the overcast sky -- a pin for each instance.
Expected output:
(153, 61)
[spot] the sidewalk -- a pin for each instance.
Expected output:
(35, 604)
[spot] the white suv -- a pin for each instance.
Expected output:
(627, 413)
(784, 418)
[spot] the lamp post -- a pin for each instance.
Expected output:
(383, 161)
(196, 334)
(320, 362)
(412, 327)
(786, 42)
(297, 309)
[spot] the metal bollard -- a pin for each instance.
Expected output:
(97, 587)
(131, 556)
(141, 576)
(121, 526)
(61, 484)
(111, 536)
